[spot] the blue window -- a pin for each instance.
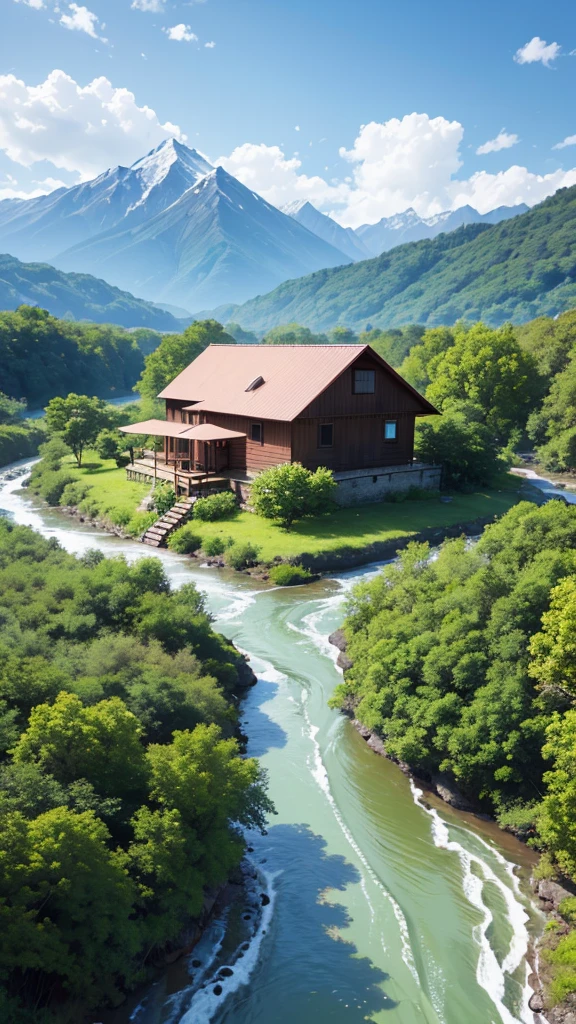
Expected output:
(390, 430)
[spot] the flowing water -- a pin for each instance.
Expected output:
(385, 905)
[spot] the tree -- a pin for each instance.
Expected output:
(552, 426)
(293, 334)
(488, 368)
(176, 351)
(463, 446)
(110, 444)
(11, 410)
(289, 492)
(557, 817)
(78, 420)
(553, 649)
(342, 336)
(241, 336)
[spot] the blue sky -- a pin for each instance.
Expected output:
(282, 94)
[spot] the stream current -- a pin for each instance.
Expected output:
(386, 905)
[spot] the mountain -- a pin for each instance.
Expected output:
(515, 270)
(409, 227)
(41, 228)
(77, 297)
(218, 242)
(344, 239)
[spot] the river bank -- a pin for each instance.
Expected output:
(372, 918)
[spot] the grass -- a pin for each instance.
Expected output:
(109, 488)
(357, 527)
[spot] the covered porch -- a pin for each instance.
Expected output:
(189, 456)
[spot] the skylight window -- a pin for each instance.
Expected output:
(256, 383)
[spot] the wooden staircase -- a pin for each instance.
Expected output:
(157, 534)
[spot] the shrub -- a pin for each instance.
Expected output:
(215, 506)
(289, 575)
(216, 545)
(52, 452)
(19, 441)
(110, 444)
(164, 498)
(140, 522)
(185, 540)
(290, 491)
(74, 492)
(50, 486)
(240, 556)
(119, 516)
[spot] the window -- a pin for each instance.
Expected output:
(325, 435)
(364, 382)
(256, 433)
(390, 430)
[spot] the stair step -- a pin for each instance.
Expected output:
(156, 532)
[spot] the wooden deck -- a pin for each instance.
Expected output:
(184, 481)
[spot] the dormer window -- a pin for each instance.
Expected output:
(256, 383)
(364, 382)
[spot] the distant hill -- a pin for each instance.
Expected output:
(344, 239)
(219, 242)
(409, 227)
(77, 297)
(516, 270)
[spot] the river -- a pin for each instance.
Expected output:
(384, 907)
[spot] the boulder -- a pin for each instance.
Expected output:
(447, 789)
(552, 894)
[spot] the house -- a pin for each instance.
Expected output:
(238, 409)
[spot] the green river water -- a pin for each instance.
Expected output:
(385, 906)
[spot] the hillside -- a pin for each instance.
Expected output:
(77, 297)
(516, 270)
(218, 242)
(409, 227)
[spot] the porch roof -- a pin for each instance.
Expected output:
(166, 428)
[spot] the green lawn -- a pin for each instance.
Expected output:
(109, 487)
(360, 526)
(347, 528)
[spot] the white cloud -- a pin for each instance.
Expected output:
(181, 34)
(82, 129)
(210, 45)
(9, 190)
(570, 140)
(537, 50)
(36, 4)
(156, 6)
(515, 185)
(502, 141)
(277, 178)
(81, 20)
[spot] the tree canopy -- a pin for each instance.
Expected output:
(176, 351)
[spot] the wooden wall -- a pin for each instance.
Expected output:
(389, 398)
(358, 442)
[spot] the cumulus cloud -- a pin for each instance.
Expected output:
(181, 34)
(210, 45)
(502, 141)
(277, 178)
(537, 50)
(409, 162)
(9, 188)
(82, 129)
(36, 4)
(570, 140)
(156, 6)
(81, 20)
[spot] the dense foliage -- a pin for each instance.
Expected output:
(215, 506)
(41, 357)
(176, 351)
(290, 491)
(18, 438)
(285, 575)
(119, 773)
(515, 270)
(77, 296)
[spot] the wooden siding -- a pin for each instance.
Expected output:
(358, 442)
(389, 399)
(244, 453)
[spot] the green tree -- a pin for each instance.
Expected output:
(553, 649)
(557, 818)
(78, 420)
(11, 410)
(241, 337)
(176, 351)
(463, 446)
(110, 444)
(342, 336)
(293, 334)
(289, 492)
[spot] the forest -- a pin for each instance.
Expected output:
(120, 774)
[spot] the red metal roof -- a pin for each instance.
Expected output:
(294, 375)
(166, 428)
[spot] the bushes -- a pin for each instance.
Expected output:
(242, 555)
(290, 492)
(50, 485)
(289, 575)
(164, 498)
(185, 541)
(215, 506)
(216, 545)
(74, 493)
(140, 522)
(19, 441)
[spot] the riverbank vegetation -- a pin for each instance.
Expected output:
(119, 772)
(19, 439)
(464, 664)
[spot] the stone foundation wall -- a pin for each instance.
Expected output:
(361, 486)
